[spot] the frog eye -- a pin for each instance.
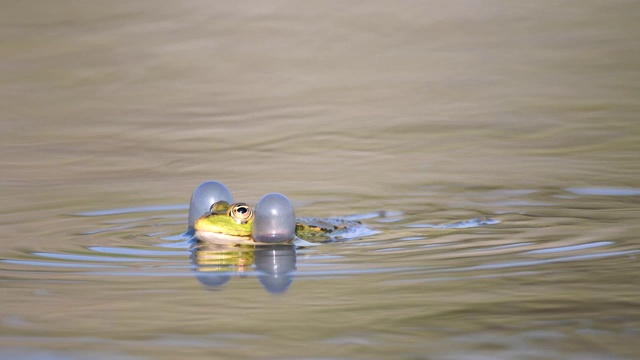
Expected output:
(241, 212)
(219, 207)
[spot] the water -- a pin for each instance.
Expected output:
(492, 151)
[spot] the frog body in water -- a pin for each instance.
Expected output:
(234, 223)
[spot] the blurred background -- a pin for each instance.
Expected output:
(437, 110)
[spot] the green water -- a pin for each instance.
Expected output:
(410, 115)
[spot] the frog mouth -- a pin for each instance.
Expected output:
(220, 237)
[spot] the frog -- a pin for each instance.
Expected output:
(233, 223)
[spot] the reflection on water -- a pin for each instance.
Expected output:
(216, 264)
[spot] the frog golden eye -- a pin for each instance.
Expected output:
(241, 212)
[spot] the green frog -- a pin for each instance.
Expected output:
(233, 223)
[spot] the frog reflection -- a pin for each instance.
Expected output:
(216, 264)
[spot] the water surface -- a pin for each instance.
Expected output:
(492, 150)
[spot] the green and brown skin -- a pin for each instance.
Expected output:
(233, 222)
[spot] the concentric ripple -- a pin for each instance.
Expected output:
(520, 237)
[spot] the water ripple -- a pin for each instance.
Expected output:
(465, 224)
(136, 252)
(132, 210)
(570, 248)
(56, 264)
(553, 260)
(75, 257)
(392, 242)
(604, 191)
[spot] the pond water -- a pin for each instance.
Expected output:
(491, 149)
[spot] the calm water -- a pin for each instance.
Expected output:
(492, 150)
